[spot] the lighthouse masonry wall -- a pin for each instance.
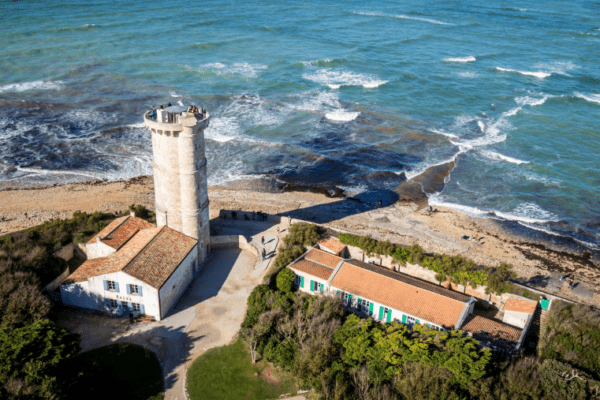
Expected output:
(180, 183)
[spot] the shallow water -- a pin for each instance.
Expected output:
(348, 94)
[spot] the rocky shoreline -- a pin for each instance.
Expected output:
(402, 218)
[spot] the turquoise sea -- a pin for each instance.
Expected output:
(323, 93)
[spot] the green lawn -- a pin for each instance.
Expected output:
(118, 371)
(228, 373)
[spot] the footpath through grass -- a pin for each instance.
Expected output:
(228, 373)
(117, 371)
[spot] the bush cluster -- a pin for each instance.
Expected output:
(456, 269)
(294, 244)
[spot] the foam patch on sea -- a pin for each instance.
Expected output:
(337, 79)
(35, 85)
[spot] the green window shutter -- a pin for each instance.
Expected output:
(380, 312)
(349, 300)
(338, 293)
(301, 281)
(322, 288)
(371, 308)
(142, 309)
(403, 319)
(389, 316)
(359, 302)
(417, 321)
(117, 287)
(312, 286)
(128, 286)
(105, 285)
(140, 290)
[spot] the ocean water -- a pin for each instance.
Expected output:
(351, 94)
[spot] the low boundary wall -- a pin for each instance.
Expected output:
(57, 281)
(225, 241)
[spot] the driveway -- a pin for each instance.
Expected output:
(208, 315)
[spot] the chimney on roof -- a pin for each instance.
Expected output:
(131, 213)
(98, 239)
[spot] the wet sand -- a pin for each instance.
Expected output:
(402, 218)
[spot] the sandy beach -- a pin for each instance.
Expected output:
(402, 220)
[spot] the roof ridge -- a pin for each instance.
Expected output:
(417, 279)
(160, 229)
(116, 227)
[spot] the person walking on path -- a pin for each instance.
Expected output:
(130, 317)
(262, 240)
(264, 254)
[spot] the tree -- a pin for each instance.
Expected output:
(31, 359)
(498, 278)
(285, 280)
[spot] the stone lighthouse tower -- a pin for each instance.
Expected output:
(179, 168)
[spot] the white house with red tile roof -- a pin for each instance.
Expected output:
(519, 312)
(133, 266)
(385, 295)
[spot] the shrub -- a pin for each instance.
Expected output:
(285, 280)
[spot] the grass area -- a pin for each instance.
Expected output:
(228, 373)
(117, 371)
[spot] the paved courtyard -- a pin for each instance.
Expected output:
(208, 315)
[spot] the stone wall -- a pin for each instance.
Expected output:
(66, 252)
(58, 280)
(225, 241)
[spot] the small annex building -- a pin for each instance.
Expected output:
(385, 295)
(133, 266)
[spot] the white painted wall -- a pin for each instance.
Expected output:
(177, 283)
(514, 318)
(307, 279)
(98, 249)
(79, 295)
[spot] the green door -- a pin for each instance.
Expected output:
(389, 316)
(380, 312)
(301, 281)
(403, 319)
(545, 304)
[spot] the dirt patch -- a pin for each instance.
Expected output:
(270, 374)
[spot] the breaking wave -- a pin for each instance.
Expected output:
(540, 75)
(460, 59)
(35, 85)
(497, 156)
(594, 98)
(337, 79)
(343, 116)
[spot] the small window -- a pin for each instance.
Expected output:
(135, 289)
(410, 321)
(136, 307)
(110, 285)
(113, 303)
(297, 280)
(364, 305)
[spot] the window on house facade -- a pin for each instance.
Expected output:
(364, 306)
(135, 306)
(410, 321)
(317, 287)
(296, 280)
(113, 303)
(134, 289)
(110, 285)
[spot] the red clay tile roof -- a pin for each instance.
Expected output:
(312, 268)
(402, 292)
(485, 329)
(322, 257)
(159, 259)
(118, 232)
(151, 255)
(524, 306)
(332, 244)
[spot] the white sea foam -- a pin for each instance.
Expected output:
(594, 98)
(467, 74)
(460, 59)
(512, 112)
(57, 172)
(336, 79)
(180, 103)
(525, 212)
(498, 156)
(35, 85)
(450, 135)
(481, 126)
(137, 126)
(540, 75)
(173, 94)
(242, 69)
(558, 67)
(341, 115)
(433, 21)
(532, 101)
(400, 16)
